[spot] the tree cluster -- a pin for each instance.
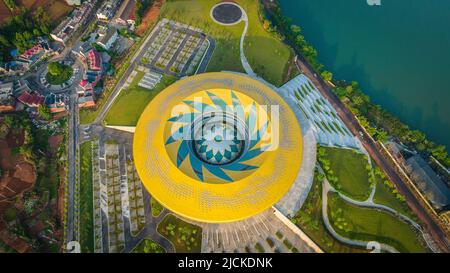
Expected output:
(380, 124)
(141, 8)
(21, 30)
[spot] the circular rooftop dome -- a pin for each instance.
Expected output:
(217, 147)
(219, 139)
(227, 13)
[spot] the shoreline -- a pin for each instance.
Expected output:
(273, 9)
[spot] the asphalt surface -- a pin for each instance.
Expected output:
(431, 224)
(73, 143)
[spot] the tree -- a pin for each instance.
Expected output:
(44, 112)
(9, 121)
(55, 68)
(266, 24)
(295, 29)
(439, 152)
(327, 76)
(4, 41)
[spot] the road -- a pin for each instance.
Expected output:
(431, 224)
(72, 209)
(72, 155)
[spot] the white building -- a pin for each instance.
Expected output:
(107, 10)
(126, 13)
(63, 32)
(109, 38)
(73, 2)
(6, 90)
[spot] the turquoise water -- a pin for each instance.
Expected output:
(399, 52)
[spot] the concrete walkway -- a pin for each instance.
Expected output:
(326, 188)
(245, 64)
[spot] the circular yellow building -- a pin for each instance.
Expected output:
(218, 147)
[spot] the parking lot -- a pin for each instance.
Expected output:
(176, 49)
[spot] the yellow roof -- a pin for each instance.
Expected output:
(209, 179)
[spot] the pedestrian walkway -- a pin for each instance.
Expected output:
(327, 126)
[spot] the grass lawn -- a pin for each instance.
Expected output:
(309, 219)
(185, 237)
(60, 74)
(156, 207)
(86, 202)
(350, 170)
(132, 101)
(268, 56)
(372, 225)
(387, 195)
(148, 246)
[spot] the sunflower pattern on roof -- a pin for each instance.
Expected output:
(219, 137)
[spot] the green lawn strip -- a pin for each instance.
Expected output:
(268, 56)
(387, 195)
(132, 101)
(157, 208)
(366, 224)
(347, 170)
(148, 246)
(185, 237)
(309, 219)
(86, 198)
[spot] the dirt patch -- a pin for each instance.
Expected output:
(54, 141)
(4, 12)
(59, 115)
(13, 241)
(56, 9)
(18, 175)
(60, 203)
(150, 16)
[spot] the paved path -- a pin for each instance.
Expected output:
(72, 156)
(326, 187)
(149, 230)
(245, 64)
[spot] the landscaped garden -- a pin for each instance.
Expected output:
(353, 176)
(86, 198)
(347, 170)
(132, 101)
(148, 246)
(386, 194)
(372, 225)
(185, 237)
(157, 208)
(58, 73)
(309, 219)
(267, 55)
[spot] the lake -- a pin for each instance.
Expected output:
(399, 52)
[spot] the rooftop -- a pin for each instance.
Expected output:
(434, 188)
(126, 11)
